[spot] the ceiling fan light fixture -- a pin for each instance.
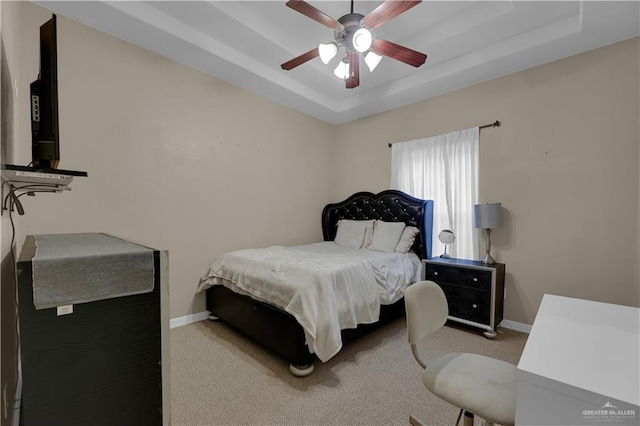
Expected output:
(362, 40)
(342, 70)
(372, 60)
(353, 31)
(327, 51)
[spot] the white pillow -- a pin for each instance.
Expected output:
(351, 233)
(407, 239)
(386, 236)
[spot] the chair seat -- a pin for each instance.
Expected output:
(481, 385)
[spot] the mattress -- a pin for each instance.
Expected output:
(326, 287)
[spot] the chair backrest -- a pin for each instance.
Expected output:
(427, 311)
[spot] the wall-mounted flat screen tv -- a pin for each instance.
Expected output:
(45, 135)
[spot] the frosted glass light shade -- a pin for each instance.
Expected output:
(362, 40)
(372, 60)
(487, 216)
(342, 70)
(327, 51)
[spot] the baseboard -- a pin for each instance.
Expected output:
(516, 326)
(201, 316)
(188, 319)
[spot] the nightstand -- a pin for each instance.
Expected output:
(474, 290)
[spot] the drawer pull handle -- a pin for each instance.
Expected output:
(435, 273)
(475, 306)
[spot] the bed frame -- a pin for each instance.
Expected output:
(277, 329)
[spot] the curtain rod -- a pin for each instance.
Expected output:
(494, 124)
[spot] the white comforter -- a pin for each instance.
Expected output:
(324, 286)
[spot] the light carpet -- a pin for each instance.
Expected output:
(220, 377)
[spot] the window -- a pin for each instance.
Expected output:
(444, 169)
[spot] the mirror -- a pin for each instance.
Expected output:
(446, 237)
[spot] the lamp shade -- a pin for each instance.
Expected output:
(327, 51)
(362, 40)
(372, 60)
(342, 70)
(487, 216)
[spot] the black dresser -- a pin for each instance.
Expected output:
(95, 363)
(474, 290)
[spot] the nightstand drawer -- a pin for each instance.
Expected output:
(460, 276)
(469, 304)
(474, 290)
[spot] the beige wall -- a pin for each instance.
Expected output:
(564, 164)
(176, 159)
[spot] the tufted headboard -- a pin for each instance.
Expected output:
(390, 206)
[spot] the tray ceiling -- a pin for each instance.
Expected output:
(467, 42)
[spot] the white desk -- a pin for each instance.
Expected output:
(581, 365)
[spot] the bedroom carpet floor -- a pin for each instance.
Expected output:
(219, 377)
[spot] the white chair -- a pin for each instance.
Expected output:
(474, 383)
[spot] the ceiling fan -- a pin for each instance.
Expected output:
(353, 32)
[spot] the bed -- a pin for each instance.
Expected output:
(302, 328)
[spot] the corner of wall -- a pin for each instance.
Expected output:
(9, 32)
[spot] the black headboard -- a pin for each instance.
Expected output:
(390, 206)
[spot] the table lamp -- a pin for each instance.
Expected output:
(487, 216)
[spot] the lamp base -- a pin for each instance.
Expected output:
(488, 259)
(487, 255)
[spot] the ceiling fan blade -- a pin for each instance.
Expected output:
(397, 52)
(313, 13)
(353, 80)
(299, 60)
(387, 11)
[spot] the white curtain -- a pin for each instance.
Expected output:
(443, 169)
